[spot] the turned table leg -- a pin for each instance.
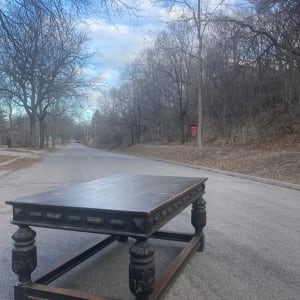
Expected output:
(141, 270)
(23, 258)
(199, 217)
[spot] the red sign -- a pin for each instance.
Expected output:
(193, 130)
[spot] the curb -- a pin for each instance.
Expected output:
(227, 173)
(234, 174)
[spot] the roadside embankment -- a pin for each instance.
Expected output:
(274, 164)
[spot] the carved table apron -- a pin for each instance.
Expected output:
(122, 206)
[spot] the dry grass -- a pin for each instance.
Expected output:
(4, 158)
(19, 163)
(273, 163)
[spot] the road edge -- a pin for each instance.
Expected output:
(279, 183)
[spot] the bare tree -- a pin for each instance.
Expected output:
(42, 56)
(194, 12)
(177, 58)
(248, 68)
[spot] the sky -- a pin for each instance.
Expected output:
(113, 45)
(119, 40)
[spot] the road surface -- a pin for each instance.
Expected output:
(252, 236)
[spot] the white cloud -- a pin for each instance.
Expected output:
(121, 41)
(115, 44)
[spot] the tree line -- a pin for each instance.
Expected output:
(43, 51)
(231, 70)
(248, 69)
(41, 58)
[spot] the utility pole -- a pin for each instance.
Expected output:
(200, 72)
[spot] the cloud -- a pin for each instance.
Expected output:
(115, 44)
(122, 39)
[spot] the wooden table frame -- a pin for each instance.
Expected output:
(141, 226)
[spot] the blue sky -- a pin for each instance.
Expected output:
(118, 41)
(121, 39)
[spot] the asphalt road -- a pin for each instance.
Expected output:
(252, 236)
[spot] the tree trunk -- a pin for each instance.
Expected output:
(182, 135)
(10, 134)
(131, 135)
(10, 120)
(138, 136)
(53, 139)
(42, 134)
(47, 137)
(33, 132)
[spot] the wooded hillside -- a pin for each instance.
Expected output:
(250, 79)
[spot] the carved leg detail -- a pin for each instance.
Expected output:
(141, 270)
(199, 218)
(24, 254)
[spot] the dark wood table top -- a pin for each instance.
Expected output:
(109, 204)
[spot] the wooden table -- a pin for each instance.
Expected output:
(122, 206)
